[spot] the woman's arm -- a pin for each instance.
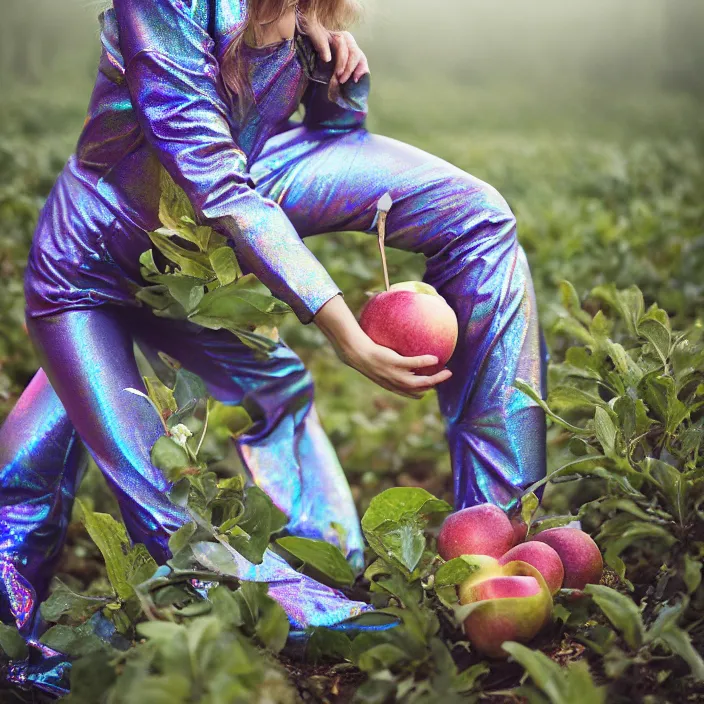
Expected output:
(173, 79)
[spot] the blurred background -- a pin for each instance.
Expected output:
(588, 116)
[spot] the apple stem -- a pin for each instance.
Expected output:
(383, 206)
(382, 251)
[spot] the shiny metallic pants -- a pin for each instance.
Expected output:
(324, 183)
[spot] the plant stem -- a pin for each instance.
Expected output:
(382, 236)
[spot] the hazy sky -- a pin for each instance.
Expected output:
(473, 40)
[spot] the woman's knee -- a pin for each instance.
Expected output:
(478, 209)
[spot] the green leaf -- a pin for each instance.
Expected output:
(405, 542)
(250, 537)
(375, 691)
(570, 300)
(581, 466)
(658, 336)
(322, 556)
(325, 644)
(453, 572)
(467, 680)
(628, 303)
(535, 396)
(114, 545)
(188, 388)
(187, 291)
(191, 264)
(232, 306)
(91, 677)
(621, 611)
(545, 673)
(161, 395)
(169, 457)
(174, 204)
(140, 566)
(64, 602)
(380, 657)
(692, 573)
(400, 503)
(225, 265)
(272, 626)
(161, 302)
(529, 505)
(182, 537)
(571, 685)
(146, 259)
(226, 606)
(161, 631)
(660, 395)
(230, 421)
(12, 643)
(672, 485)
(606, 432)
(680, 643)
(395, 520)
(571, 398)
(74, 641)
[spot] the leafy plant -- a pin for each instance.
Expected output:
(202, 281)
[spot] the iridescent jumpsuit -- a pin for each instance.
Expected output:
(265, 182)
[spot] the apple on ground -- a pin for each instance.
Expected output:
(514, 606)
(580, 555)
(478, 530)
(413, 319)
(543, 558)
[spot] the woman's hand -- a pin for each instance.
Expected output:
(382, 365)
(349, 58)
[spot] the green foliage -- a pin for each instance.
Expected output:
(203, 282)
(571, 685)
(394, 522)
(323, 557)
(634, 388)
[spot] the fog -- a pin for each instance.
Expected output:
(610, 43)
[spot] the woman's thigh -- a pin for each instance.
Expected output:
(329, 183)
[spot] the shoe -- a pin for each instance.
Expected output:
(44, 669)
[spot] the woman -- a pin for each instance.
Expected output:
(205, 89)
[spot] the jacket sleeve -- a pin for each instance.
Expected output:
(332, 106)
(173, 79)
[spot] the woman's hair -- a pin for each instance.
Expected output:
(334, 15)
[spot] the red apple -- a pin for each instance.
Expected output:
(543, 558)
(477, 530)
(580, 555)
(485, 567)
(520, 529)
(413, 319)
(515, 606)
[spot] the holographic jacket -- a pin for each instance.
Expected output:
(159, 101)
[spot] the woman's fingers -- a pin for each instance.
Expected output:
(321, 38)
(354, 56)
(424, 360)
(427, 382)
(342, 53)
(362, 68)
